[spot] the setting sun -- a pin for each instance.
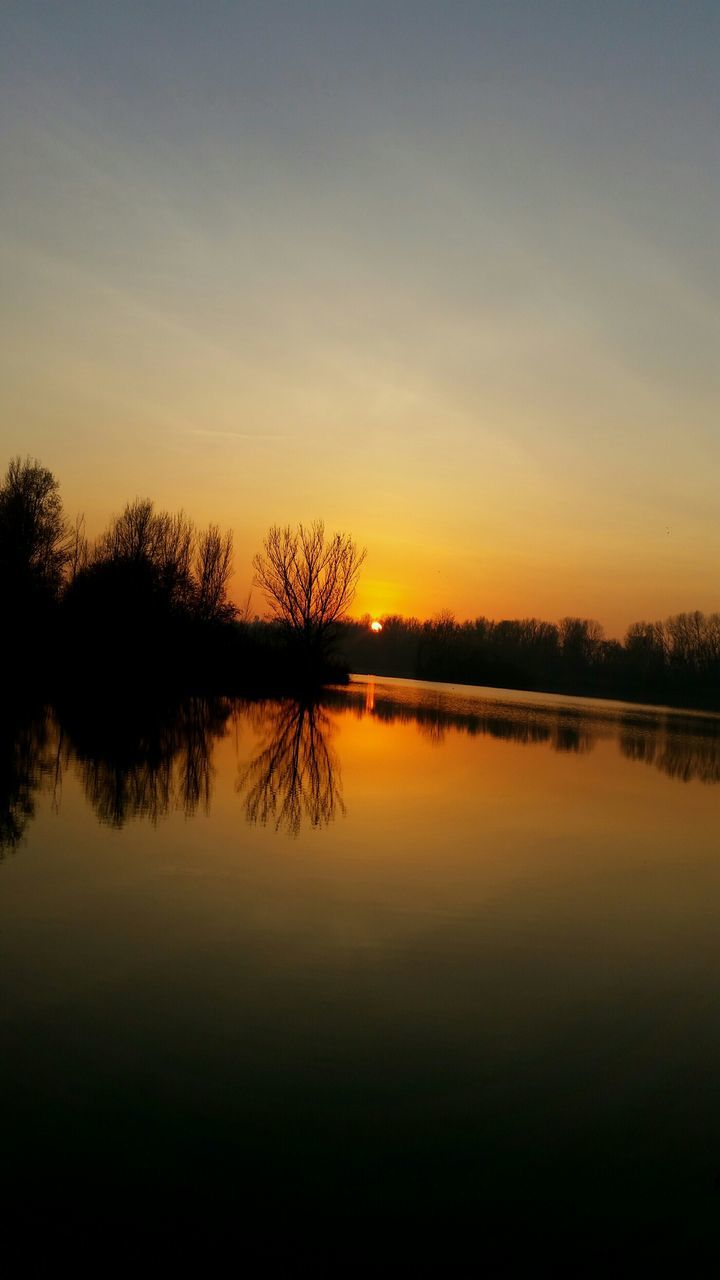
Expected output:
(376, 626)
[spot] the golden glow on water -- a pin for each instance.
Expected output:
(414, 918)
(370, 695)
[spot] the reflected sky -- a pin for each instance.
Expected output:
(410, 953)
(147, 761)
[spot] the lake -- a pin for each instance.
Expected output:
(425, 963)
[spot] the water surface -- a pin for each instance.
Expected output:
(434, 960)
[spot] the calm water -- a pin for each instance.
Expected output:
(440, 961)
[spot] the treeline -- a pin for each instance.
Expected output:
(675, 660)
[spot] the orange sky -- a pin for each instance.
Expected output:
(451, 286)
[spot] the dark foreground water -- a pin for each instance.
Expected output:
(423, 972)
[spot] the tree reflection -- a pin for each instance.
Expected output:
(28, 761)
(146, 762)
(683, 745)
(692, 756)
(296, 776)
(565, 729)
(572, 737)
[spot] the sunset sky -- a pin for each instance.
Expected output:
(445, 274)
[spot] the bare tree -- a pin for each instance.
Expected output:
(79, 550)
(131, 536)
(175, 543)
(213, 567)
(308, 582)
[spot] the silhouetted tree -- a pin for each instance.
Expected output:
(692, 642)
(132, 536)
(213, 567)
(309, 582)
(645, 653)
(580, 640)
(34, 541)
(436, 646)
(158, 545)
(78, 549)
